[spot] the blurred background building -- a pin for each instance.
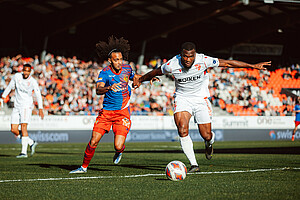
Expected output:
(58, 38)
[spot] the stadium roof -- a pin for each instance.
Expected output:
(213, 25)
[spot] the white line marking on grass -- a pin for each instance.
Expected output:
(251, 170)
(146, 175)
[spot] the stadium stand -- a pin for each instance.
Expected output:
(247, 92)
(68, 88)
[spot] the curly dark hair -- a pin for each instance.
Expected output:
(26, 65)
(114, 44)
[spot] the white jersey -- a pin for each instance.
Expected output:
(193, 81)
(23, 91)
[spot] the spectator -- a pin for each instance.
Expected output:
(71, 81)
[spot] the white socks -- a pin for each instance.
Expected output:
(30, 141)
(24, 145)
(188, 149)
(25, 142)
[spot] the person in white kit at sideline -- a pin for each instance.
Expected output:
(191, 96)
(24, 85)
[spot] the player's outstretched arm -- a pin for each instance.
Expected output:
(136, 79)
(240, 64)
(137, 76)
(150, 76)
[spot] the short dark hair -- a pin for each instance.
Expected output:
(27, 65)
(104, 50)
(188, 46)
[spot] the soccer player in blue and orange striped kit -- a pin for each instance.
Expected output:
(113, 83)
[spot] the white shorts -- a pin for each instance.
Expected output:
(198, 107)
(21, 115)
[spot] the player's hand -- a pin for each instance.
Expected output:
(41, 113)
(154, 79)
(115, 87)
(261, 66)
(136, 81)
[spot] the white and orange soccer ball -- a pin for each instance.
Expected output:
(176, 170)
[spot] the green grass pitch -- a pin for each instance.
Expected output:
(275, 172)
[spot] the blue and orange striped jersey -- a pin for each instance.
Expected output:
(116, 100)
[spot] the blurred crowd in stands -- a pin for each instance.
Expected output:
(68, 87)
(245, 92)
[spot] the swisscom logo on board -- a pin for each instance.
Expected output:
(283, 134)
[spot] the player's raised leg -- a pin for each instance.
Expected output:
(203, 117)
(15, 122)
(89, 152)
(15, 130)
(208, 136)
(182, 122)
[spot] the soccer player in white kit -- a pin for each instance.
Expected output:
(24, 85)
(191, 96)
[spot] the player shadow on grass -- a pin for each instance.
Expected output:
(162, 179)
(264, 150)
(255, 150)
(146, 151)
(58, 153)
(66, 167)
(134, 166)
(2, 155)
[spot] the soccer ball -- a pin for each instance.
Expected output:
(176, 170)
